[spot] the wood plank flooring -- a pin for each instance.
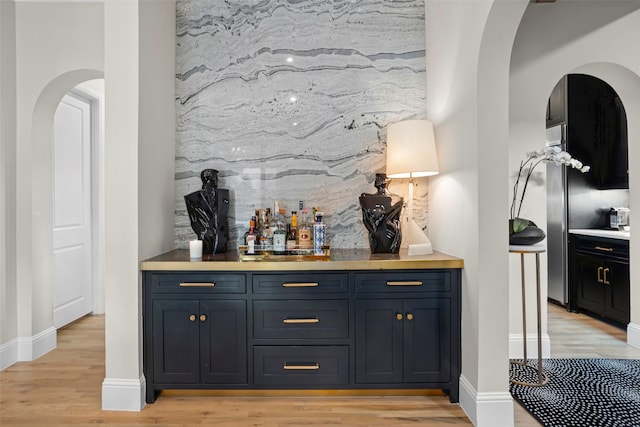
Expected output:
(64, 388)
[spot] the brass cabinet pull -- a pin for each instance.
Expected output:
(203, 317)
(301, 367)
(196, 285)
(300, 285)
(599, 272)
(409, 316)
(399, 316)
(600, 248)
(405, 283)
(605, 280)
(192, 317)
(311, 320)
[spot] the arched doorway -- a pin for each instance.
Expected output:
(41, 173)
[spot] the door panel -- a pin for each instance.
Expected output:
(427, 345)
(379, 341)
(223, 346)
(590, 292)
(618, 289)
(176, 342)
(72, 257)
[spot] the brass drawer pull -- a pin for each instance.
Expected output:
(192, 317)
(196, 285)
(399, 316)
(406, 283)
(599, 274)
(203, 317)
(300, 285)
(313, 367)
(409, 316)
(600, 248)
(605, 280)
(293, 321)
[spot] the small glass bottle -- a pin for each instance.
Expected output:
(292, 238)
(304, 232)
(250, 236)
(280, 236)
(319, 234)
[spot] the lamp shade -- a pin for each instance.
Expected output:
(411, 149)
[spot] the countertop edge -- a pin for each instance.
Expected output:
(177, 260)
(609, 234)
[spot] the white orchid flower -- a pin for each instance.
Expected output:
(534, 158)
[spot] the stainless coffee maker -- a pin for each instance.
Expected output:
(619, 218)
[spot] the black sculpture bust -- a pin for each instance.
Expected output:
(381, 216)
(208, 210)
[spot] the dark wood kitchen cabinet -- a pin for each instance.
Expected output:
(600, 277)
(199, 342)
(262, 326)
(400, 340)
(596, 132)
(557, 104)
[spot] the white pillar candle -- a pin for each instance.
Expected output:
(195, 249)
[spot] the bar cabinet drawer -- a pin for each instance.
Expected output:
(301, 365)
(602, 246)
(301, 319)
(191, 283)
(405, 281)
(305, 283)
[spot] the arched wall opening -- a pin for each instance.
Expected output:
(540, 58)
(41, 196)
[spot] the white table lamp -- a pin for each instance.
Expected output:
(411, 152)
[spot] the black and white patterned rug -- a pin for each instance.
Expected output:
(581, 392)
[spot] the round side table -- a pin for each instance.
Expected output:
(536, 249)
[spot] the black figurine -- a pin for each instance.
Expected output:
(381, 216)
(208, 209)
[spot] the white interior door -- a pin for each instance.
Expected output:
(73, 273)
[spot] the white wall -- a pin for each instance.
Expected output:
(44, 69)
(8, 307)
(156, 160)
(483, 127)
(551, 42)
(468, 52)
(139, 152)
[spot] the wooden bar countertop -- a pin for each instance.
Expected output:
(340, 259)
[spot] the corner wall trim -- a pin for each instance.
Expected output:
(633, 334)
(493, 409)
(516, 346)
(8, 354)
(123, 394)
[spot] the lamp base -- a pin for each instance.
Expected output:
(418, 242)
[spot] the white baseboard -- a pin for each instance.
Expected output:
(31, 348)
(8, 354)
(123, 394)
(516, 346)
(486, 409)
(27, 349)
(633, 334)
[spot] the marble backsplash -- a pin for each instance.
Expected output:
(289, 101)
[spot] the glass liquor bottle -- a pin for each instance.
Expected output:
(250, 236)
(319, 234)
(292, 232)
(304, 231)
(280, 236)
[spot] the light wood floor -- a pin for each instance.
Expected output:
(64, 388)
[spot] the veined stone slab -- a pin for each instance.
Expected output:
(290, 101)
